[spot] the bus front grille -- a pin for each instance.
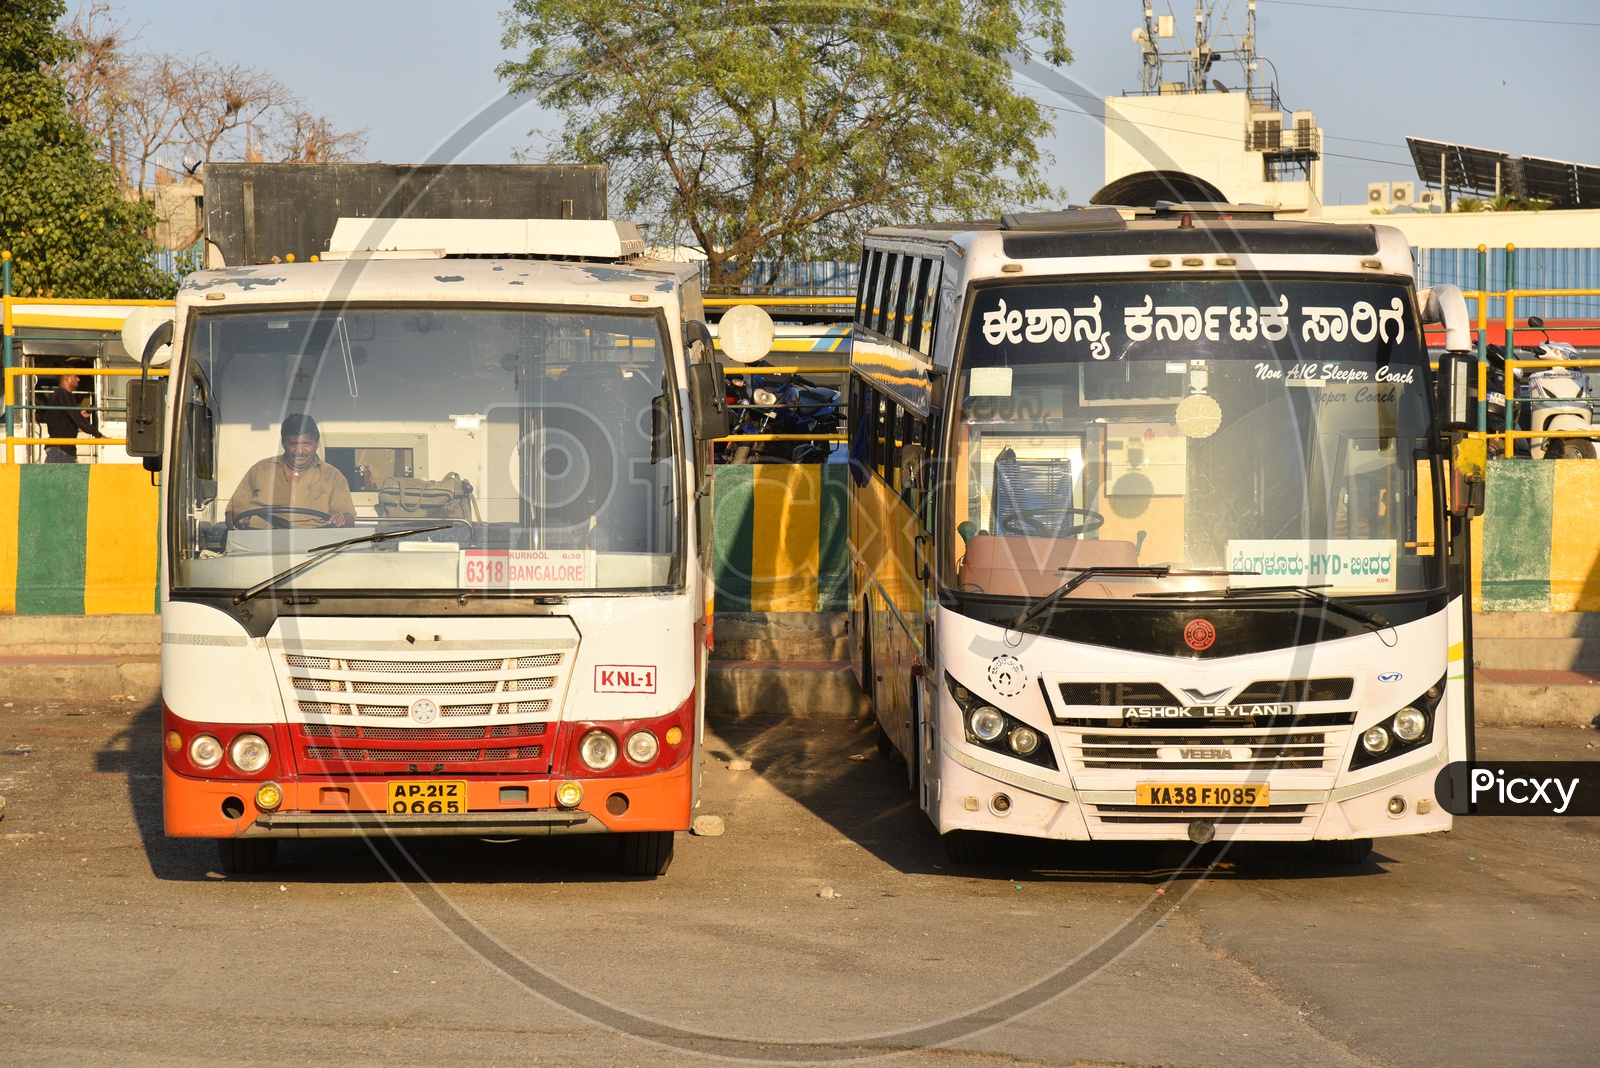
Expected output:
(339, 685)
(1191, 750)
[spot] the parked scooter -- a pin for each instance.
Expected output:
(785, 404)
(1495, 404)
(1559, 399)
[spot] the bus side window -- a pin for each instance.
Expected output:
(886, 452)
(914, 433)
(906, 306)
(868, 290)
(891, 295)
(920, 309)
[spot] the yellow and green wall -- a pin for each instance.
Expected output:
(82, 538)
(1539, 546)
(78, 539)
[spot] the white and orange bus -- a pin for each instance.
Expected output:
(504, 631)
(1149, 527)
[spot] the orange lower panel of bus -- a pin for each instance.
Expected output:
(499, 807)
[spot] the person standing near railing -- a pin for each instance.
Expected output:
(65, 417)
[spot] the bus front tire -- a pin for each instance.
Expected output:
(966, 847)
(1344, 850)
(645, 853)
(247, 856)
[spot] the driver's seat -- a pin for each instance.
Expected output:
(1041, 489)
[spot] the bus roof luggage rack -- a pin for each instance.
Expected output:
(588, 239)
(1070, 219)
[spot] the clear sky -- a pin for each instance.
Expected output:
(1519, 77)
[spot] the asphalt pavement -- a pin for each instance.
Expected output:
(824, 926)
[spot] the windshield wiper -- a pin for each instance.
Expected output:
(1371, 619)
(324, 552)
(1084, 574)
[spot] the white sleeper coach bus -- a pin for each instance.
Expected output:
(1149, 528)
(432, 561)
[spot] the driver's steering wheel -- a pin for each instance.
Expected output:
(278, 515)
(1042, 522)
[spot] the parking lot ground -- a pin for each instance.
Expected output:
(824, 926)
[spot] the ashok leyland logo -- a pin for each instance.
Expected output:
(424, 711)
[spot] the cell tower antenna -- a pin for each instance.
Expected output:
(1178, 59)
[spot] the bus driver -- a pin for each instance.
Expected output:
(294, 489)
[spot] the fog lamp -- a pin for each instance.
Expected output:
(1376, 740)
(1410, 724)
(268, 796)
(1397, 805)
(1000, 804)
(569, 794)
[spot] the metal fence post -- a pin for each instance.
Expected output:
(5, 297)
(1483, 340)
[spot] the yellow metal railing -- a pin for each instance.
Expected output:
(14, 373)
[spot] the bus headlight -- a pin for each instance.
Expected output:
(987, 723)
(205, 751)
(249, 753)
(597, 750)
(642, 747)
(982, 724)
(1376, 740)
(1023, 740)
(1410, 724)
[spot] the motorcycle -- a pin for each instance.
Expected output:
(780, 404)
(1559, 399)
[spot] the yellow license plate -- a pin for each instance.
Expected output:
(427, 797)
(1198, 795)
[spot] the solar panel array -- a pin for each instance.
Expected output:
(1487, 173)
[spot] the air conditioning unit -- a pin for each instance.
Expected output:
(1265, 135)
(1404, 192)
(1378, 194)
(1430, 197)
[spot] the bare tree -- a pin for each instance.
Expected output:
(302, 137)
(148, 109)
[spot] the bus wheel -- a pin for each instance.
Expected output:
(1344, 851)
(646, 853)
(245, 856)
(967, 847)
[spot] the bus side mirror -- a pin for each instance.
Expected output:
(147, 410)
(708, 403)
(147, 331)
(697, 342)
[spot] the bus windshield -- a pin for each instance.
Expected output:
(539, 446)
(1278, 430)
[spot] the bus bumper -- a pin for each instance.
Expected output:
(1034, 807)
(499, 808)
